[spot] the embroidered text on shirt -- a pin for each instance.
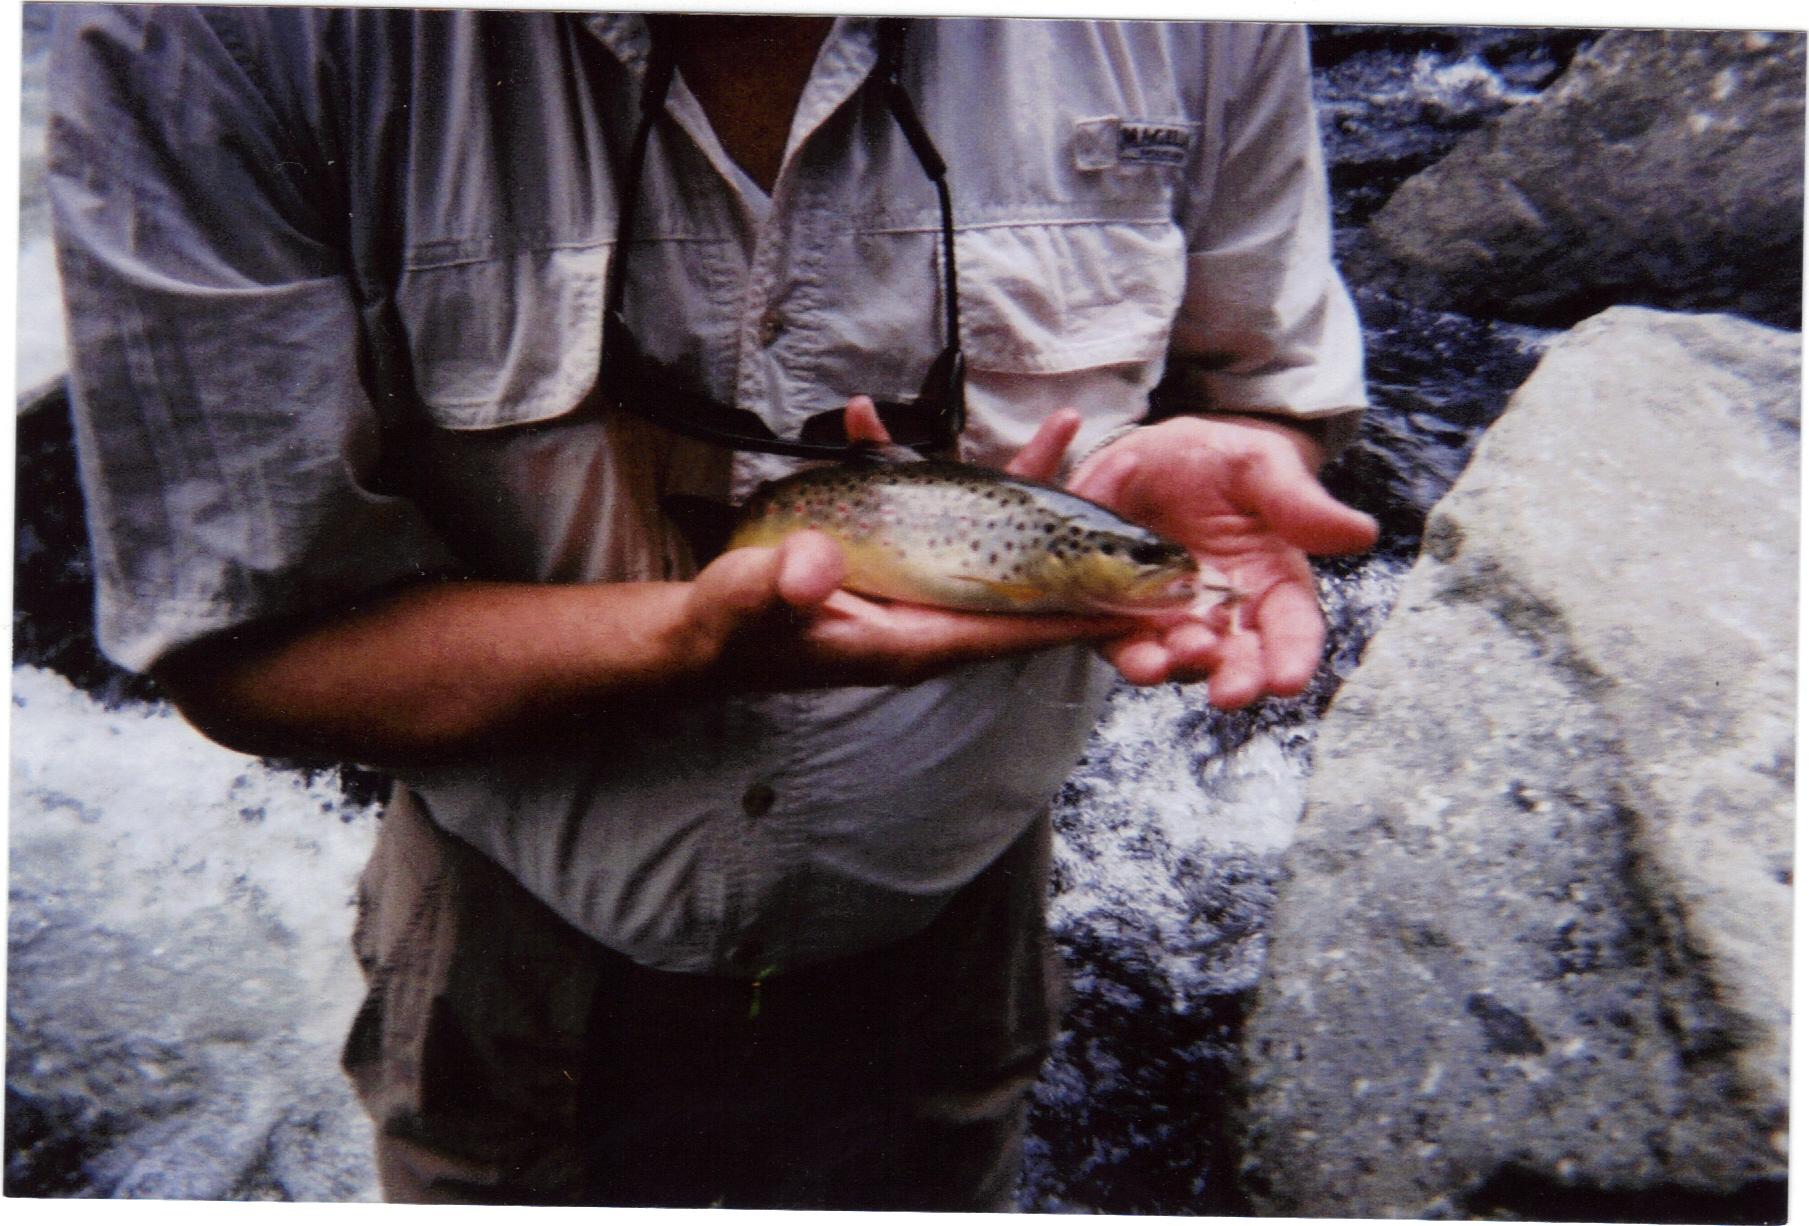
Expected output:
(1162, 144)
(1110, 141)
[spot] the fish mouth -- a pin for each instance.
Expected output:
(1155, 596)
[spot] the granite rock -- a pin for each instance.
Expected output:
(1531, 948)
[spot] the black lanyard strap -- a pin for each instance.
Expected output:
(654, 86)
(933, 421)
(898, 101)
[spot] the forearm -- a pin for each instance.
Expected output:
(442, 671)
(436, 670)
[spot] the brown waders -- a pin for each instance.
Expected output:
(506, 1058)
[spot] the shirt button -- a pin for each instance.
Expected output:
(758, 800)
(771, 324)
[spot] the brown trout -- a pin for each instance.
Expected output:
(961, 537)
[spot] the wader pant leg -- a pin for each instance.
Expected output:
(505, 1058)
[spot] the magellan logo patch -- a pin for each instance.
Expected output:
(1109, 141)
(1159, 144)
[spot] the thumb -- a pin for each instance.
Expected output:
(808, 568)
(798, 573)
(1298, 509)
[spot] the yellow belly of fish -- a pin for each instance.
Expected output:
(876, 569)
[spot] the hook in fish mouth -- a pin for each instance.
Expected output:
(1211, 580)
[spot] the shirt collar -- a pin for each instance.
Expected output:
(850, 50)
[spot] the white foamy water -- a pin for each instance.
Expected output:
(1171, 831)
(1462, 84)
(179, 977)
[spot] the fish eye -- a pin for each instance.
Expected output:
(1150, 553)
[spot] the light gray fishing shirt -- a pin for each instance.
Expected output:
(295, 240)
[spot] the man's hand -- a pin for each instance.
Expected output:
(1241, 494)
(433, 672)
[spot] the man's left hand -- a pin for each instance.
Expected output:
(1241, 494)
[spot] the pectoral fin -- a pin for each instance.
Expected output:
(1016, 593)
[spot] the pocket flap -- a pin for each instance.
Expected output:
(1046, 298)
(505, 339)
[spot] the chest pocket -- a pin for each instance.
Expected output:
(502, 338)
(1056, 297)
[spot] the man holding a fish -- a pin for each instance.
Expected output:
(403, 339)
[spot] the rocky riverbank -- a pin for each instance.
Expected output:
(1530, 954)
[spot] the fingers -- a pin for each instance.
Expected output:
(739, 585)
(1238, 679)
(1280, 488)
(743, 584)
(1103, 477)
(1041, 458)
(1292, 632)
(1140, 659)
(860, 421)
(980, 635)
(809, 567)
(1275, 654)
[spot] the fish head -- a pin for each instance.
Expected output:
(1131, 570)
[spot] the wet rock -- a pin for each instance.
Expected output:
(1663, 168)
(1436, 379)
(1394, 99)
(1531, 942)
(1168, 844)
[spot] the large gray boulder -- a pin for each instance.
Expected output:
(1665, 167)
(1531, 954)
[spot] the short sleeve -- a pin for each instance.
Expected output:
(226, 439)
(1266, 324)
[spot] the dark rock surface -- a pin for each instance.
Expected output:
(1394, 99)
(1665, 168)
(1533, 933)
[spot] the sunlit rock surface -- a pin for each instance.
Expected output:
(1531, 953)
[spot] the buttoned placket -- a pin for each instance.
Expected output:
(842, 67)
(778, 224)
(846, 59)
